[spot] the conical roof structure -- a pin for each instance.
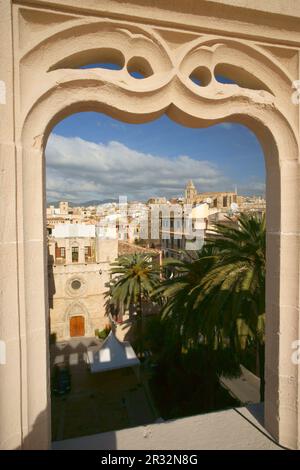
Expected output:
(111, 354)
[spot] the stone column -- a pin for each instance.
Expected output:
(11, 384)
(33, 282)
(282, 372)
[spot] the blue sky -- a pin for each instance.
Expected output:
(92, 156)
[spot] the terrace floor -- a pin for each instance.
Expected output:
(111, 410)
(234, 429)
(97, 402)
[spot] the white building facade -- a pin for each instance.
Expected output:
(78, 270)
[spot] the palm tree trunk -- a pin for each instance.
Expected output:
(232, 341)
(140, 318)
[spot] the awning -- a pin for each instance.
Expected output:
(112, 354)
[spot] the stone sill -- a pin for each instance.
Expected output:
(233, 429)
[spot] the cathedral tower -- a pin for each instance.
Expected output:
(190, 193)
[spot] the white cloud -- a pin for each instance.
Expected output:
(252, 186)
(79, 170)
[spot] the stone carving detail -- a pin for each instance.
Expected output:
(185, 78)
(80, 288)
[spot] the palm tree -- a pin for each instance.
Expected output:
(182, 321)
(134, 278)
(235, 286)
(180, 293)
(219, 297)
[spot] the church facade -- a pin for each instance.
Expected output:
(218, 200)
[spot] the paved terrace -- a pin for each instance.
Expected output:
(114, 400)
(97, 402)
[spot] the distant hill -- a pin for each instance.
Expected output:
(84, 204)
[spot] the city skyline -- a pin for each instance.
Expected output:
(90, 156)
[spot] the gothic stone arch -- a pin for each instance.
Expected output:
(44, 84)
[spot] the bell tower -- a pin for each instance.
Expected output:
(190, 192)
